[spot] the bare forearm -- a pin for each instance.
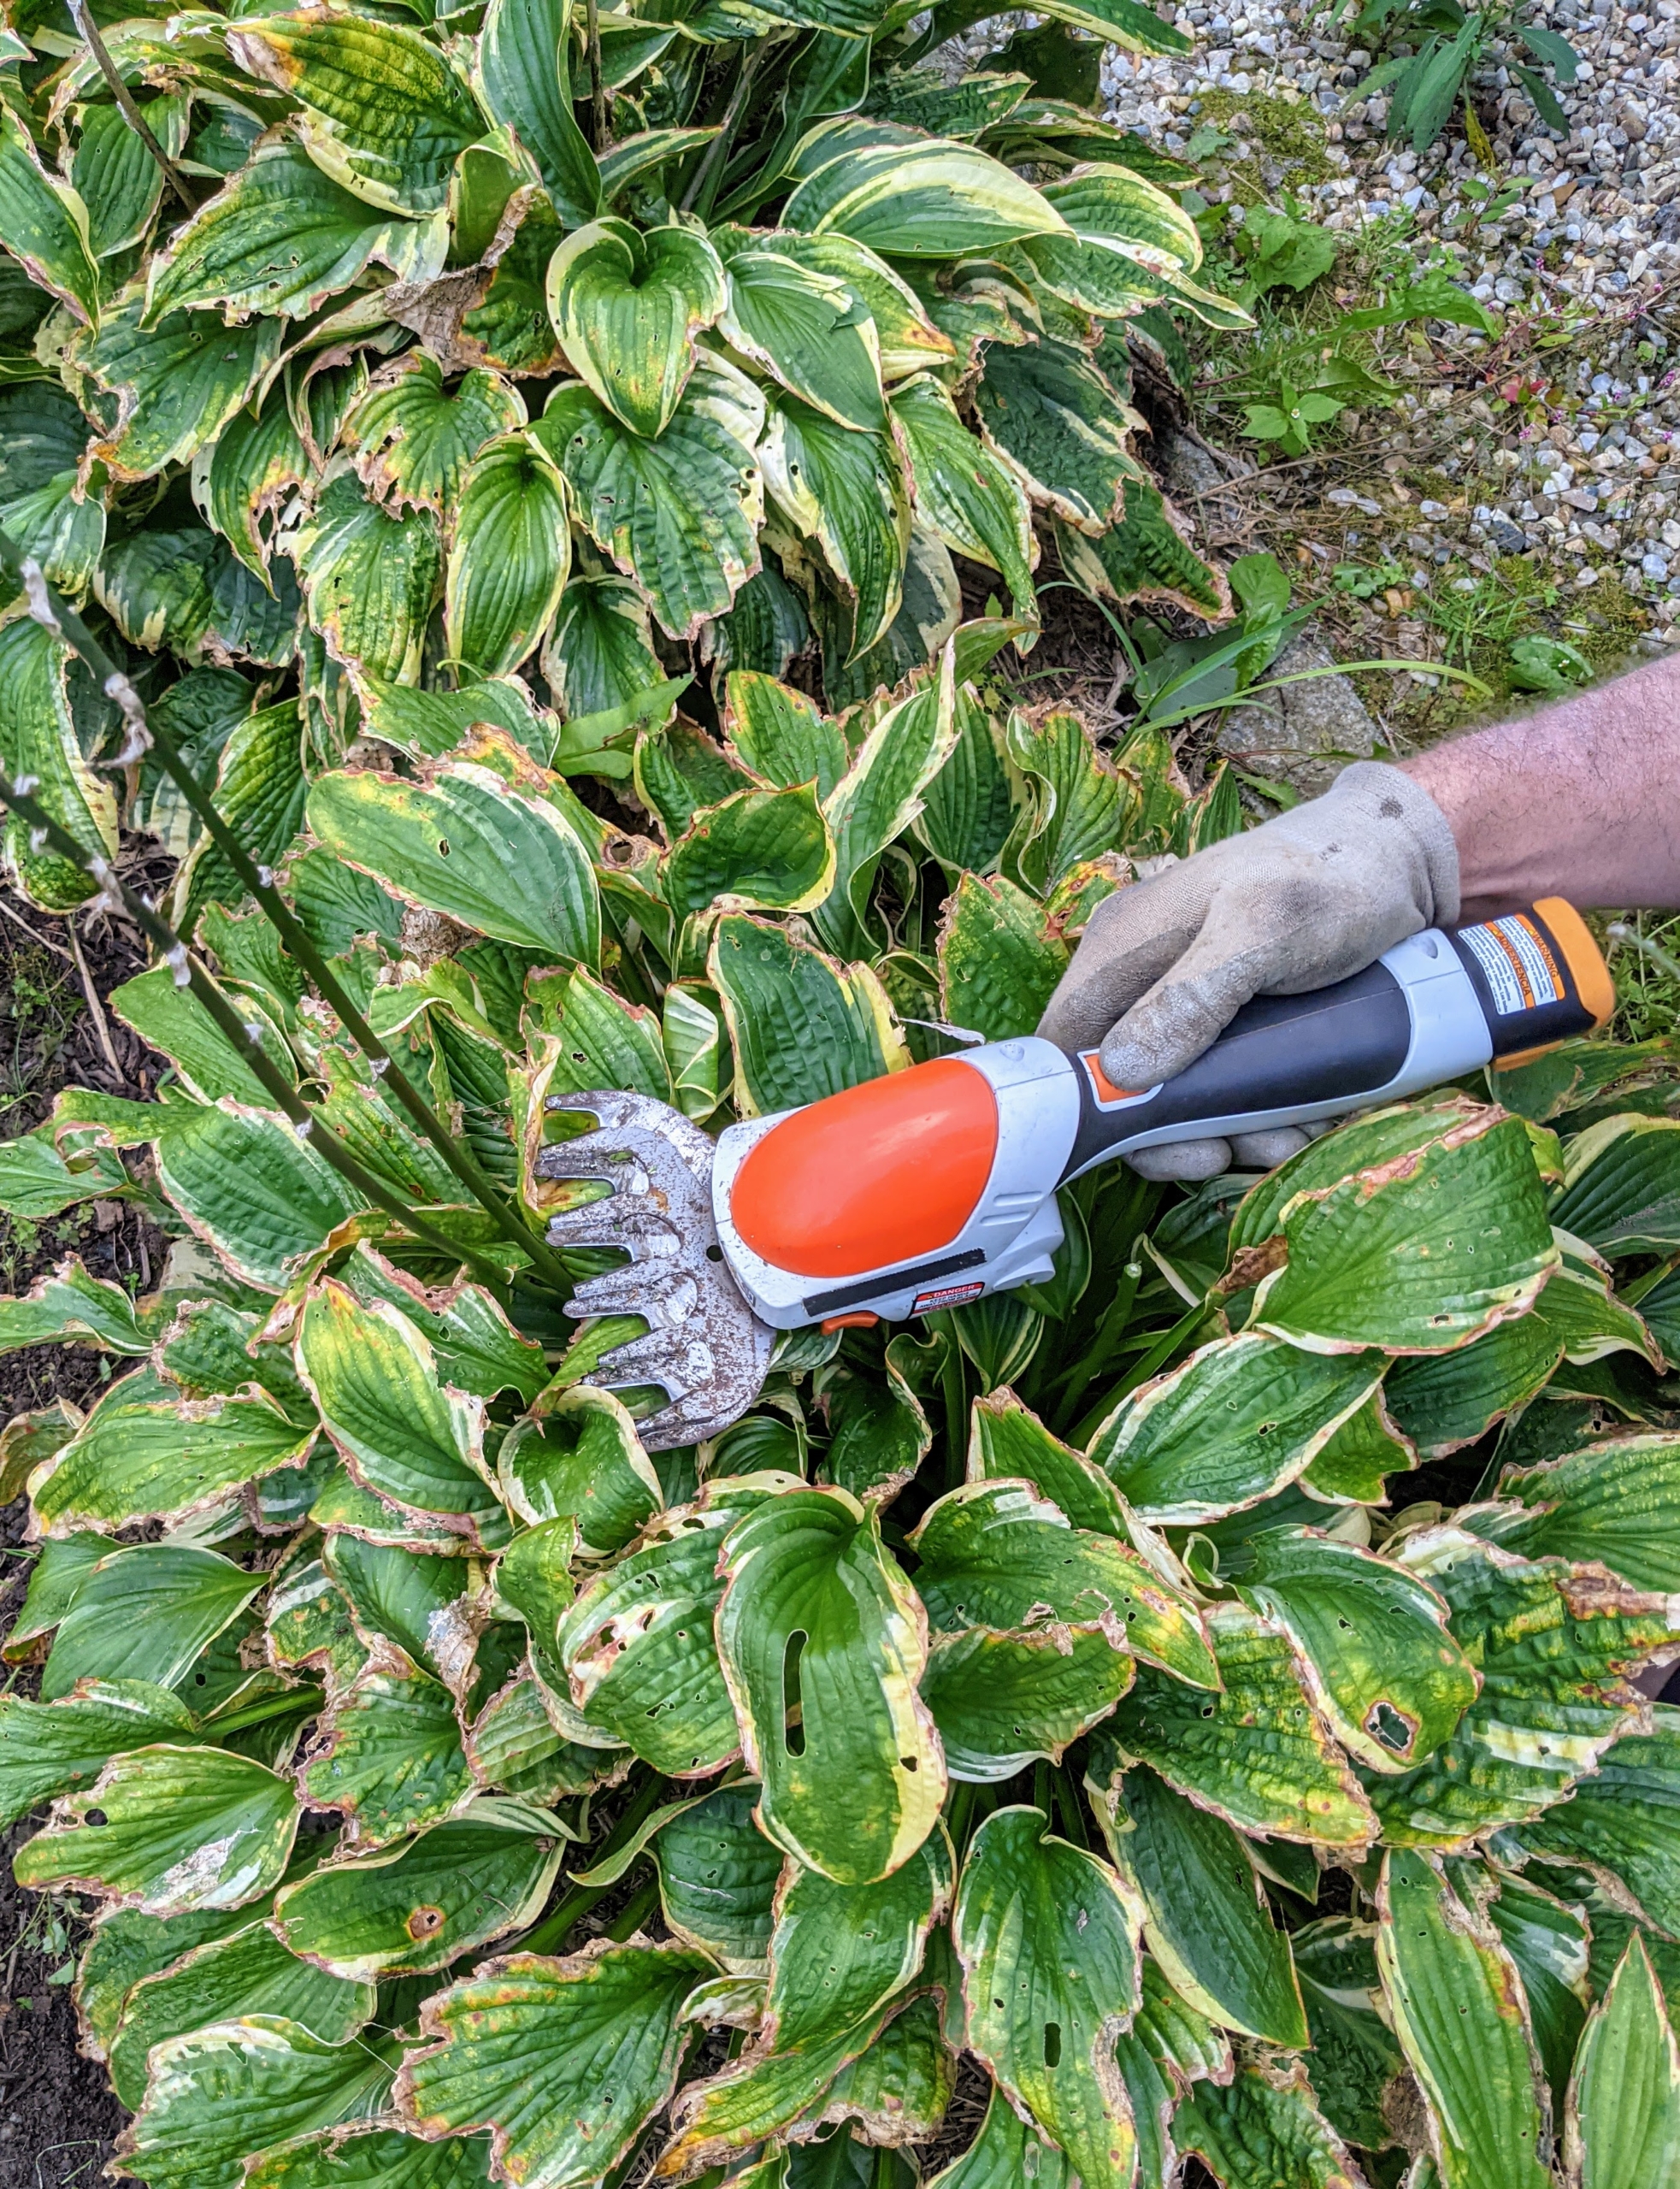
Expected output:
(1580, 801)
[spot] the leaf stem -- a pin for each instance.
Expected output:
(50, 611)
(233, 1030)
(81, 15)
(703, 189)
(550, 1935)
(598, 128)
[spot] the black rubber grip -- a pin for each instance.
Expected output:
(1280, 1052)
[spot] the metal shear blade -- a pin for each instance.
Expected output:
(706, 1350)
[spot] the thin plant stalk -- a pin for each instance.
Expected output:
(82, 17)
(51, 612)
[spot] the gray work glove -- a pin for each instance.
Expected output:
(1312, 896)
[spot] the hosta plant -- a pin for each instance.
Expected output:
(369, 352)
(1067, 1706)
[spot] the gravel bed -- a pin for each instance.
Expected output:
(1588, 256)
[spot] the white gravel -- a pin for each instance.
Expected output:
(1591, 247)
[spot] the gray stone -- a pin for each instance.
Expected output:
(1305, 733)
(1509, 539)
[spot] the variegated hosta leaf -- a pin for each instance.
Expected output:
(847, 492)
(1007, 1441)
(996, 1554)
(414, 1907)
(1618, 1503)
(1623, 2121)
(414, 441)
(1235, 1424)
(1048, 1938)
(680, 513)
(1356, 2062)
(627, 305)
(219, 2093)
(838, 1955)
(1060, 428)
(167, 1829)
(1392, 1681)
(50, 1748)
(800, 1026)
(563, 2060)
(1619, 1822)
(353, 2157)
(1081, 806)
(248, 1972)
(637, 1645)
(384, 113)
(576, 1456)
(524, 77)
(1000, 960)
(1622, 1186)
(387, 1753)
(1006, 2151)
(813, 334)
(1554, 1645)
(508, 556)
(599, 651)
(370, 579)
(1001, 1700)
(1264, 2124)
(1460, 2014)
(972, 501)
(925, 198)
(822, 1642)
(783, 735)
(45, 224)
(767, 850)
(1257, 1752)
(1205, 1918)
(717, 1879)
(467, 843)
(876, 799)
(38, 738)
(145, 1613)
(279, 239)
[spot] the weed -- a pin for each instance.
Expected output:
(1290, 131)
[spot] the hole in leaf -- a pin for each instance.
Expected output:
(424, 1922)
(1392, 1727)
(94, 1816)
(1052, 2044)
(792, 1724)
(443, 848)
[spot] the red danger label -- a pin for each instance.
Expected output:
(947, 1295)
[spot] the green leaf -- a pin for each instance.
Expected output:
(603, 1041)
(679, 514)
(847, 491)
(261, 1197)
(1004, 2153)
(563, 2060)
(599, 654)
(1553, 1645)
(415, 1599)
(72, 1307)
(637, 1643)
(62, 529)
(372, 1374)
(259, 794)
(1264, 2126)
(1236, 1423)
(967, 806)
(388, 1754)
(1048, 1936)
(45, 224)
(1427, 1251)
(781, 734)
(627, 305)
(1622, 1186)
(384, 112)
(1146, 556)
(1616, 1503)
(899, 2086)
(1355, 2059)
(965, 493)
(1058, 424)
(525, 78)
(370, 579)
(415, 443)
(1007, 1441)
(761, 849)
(220, 2093)
(1624, 2119)
(249, 1973)
(414, 1907)
(1372, 1642)
(278, 240)
(173, 1019)
(813, 334)
(465, 843)
(38, 737)
(800, 1026)
(1081, 806)
(354, 2157)
(879, 796)
(1457, 2011)
(475, 1346)
(717, 1880)
(177, 385)
(509, 558)
(142, 1455)
(1619, 1822)
(838, 1956)
(879, 1435)
(182, 1828)
(146, 1612)
(1257, 1753)
(816, 1618)
(996, 1554)
(1205, 1916)
(1549, 1943)
(1000, 1701)
(999, 959)
(52, 1748)
(924, 198)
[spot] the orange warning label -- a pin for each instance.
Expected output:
(1517, 963)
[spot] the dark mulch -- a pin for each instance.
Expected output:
(58, 2119)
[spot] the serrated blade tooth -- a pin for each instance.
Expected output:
(664, 1296)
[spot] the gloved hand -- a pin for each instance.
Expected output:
(1310, 897)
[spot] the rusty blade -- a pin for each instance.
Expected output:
(706, 1350)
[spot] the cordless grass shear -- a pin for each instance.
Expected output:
(927, 1187)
